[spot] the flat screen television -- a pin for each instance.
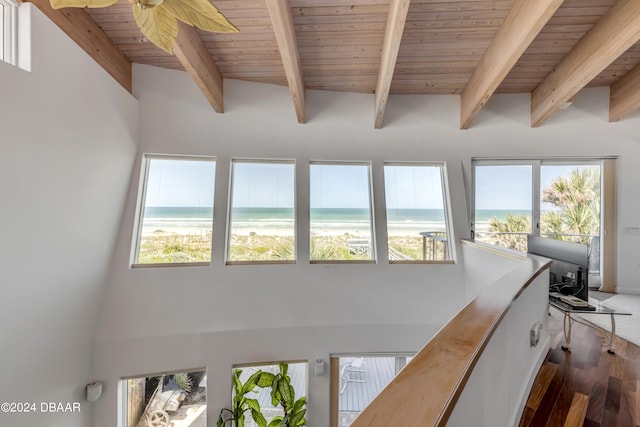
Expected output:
(569, 271)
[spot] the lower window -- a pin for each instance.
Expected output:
(356, 380)
(266, 395)
(177, 399)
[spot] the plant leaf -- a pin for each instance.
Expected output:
(296, 418)
(237, 385)
(266, 379)
(57, 4)
(284, 369)
(251, 382)
(253, 404)
(200, 13)
(299, 405)
(286, 393)
(158, 25)
(258, 418)
(276, 421)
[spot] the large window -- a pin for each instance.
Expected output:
(558, 199)
(262, 211)
(8, 30)
(416, 213)
(176, 211)
(340, 212)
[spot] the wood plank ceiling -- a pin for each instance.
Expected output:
(474, 48)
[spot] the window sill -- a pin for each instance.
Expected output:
(181, 264)
(292, 261)
(344, 261)
(446, 261)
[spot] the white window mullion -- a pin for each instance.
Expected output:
(9, 31)
(608, 230)
(535, 223)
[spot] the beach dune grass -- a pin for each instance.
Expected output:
(162, 247)
(261, 248)
(336, 248)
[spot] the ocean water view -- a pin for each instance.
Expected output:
(280, 221)
(181, 220)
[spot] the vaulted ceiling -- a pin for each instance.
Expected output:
(474, 48)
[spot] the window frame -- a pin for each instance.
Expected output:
(446, 206)
(229, 217)
(607, 207)
(142, 197)
(372, 223)
(9, 17)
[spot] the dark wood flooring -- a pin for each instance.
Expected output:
(586, 386)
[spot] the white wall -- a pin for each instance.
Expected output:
(144, 313)
(482, 267)
(496, 391)
(68, 137)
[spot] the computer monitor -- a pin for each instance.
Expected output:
(569, 271)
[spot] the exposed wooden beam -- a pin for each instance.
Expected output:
(79, 26)
(520, 28)
(195, 58)
(610, 37)
(282, 21)
(624, 96)
(396, 18)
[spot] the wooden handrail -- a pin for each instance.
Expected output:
(425, 392)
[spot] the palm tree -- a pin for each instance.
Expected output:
(512, 232)
(576, 200)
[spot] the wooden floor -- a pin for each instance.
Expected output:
(586, 386)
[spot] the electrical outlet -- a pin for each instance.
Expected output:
(631, 231)
(534, 334)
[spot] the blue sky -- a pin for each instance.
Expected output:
(265, 185)
(180, 183)
(417, 187)
(191, 183)
(503, 187)
(509, 187)
(339, 186)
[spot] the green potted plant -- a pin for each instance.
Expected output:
(241, 403)
(283, 393)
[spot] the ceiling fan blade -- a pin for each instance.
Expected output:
(158, 25)
(200, 13)
(58, 4)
